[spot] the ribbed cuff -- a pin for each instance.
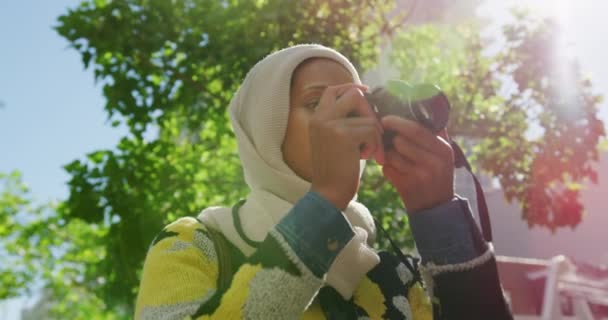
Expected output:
(352, 264)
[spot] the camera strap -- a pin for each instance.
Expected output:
(460, 160)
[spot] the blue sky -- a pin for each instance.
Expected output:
(53, 111)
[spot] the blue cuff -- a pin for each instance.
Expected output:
(316, 231)
(447, 234)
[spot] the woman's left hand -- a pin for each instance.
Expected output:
(420, 166)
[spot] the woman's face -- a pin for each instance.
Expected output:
(308, 82)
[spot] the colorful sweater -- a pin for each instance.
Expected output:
(284, 278)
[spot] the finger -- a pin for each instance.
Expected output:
(353, 102)
(328, 99)
(418, 134)
(410, 130)
(367, 138)
(379, 156)
(378, 152)
(398, 162)
(371, 142)
(393, 175)
(415, 153)
(363, 121)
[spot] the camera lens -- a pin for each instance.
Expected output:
(431, 106)
(423, 103)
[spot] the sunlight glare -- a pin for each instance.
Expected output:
(564, 50)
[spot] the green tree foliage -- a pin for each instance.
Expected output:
(41, 248)
(169, 69)
(12, 201)
(528, 111)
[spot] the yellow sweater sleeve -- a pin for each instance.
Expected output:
(180, 275)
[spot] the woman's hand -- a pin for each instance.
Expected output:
(420, 166)
(338, 142)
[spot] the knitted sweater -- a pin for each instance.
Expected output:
(284, 278)
(299, 257)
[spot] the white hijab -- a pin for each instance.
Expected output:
(259, 112)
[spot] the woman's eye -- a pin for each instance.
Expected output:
(312, 105)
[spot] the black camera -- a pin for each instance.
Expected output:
(429, 106)
(423, 103)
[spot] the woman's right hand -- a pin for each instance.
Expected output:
(338, 142)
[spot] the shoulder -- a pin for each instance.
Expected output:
(180, 270)
(188, 235)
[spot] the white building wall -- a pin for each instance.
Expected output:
(588, 242)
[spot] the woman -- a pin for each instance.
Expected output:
(299, 245)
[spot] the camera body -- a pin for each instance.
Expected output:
(423, 103)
